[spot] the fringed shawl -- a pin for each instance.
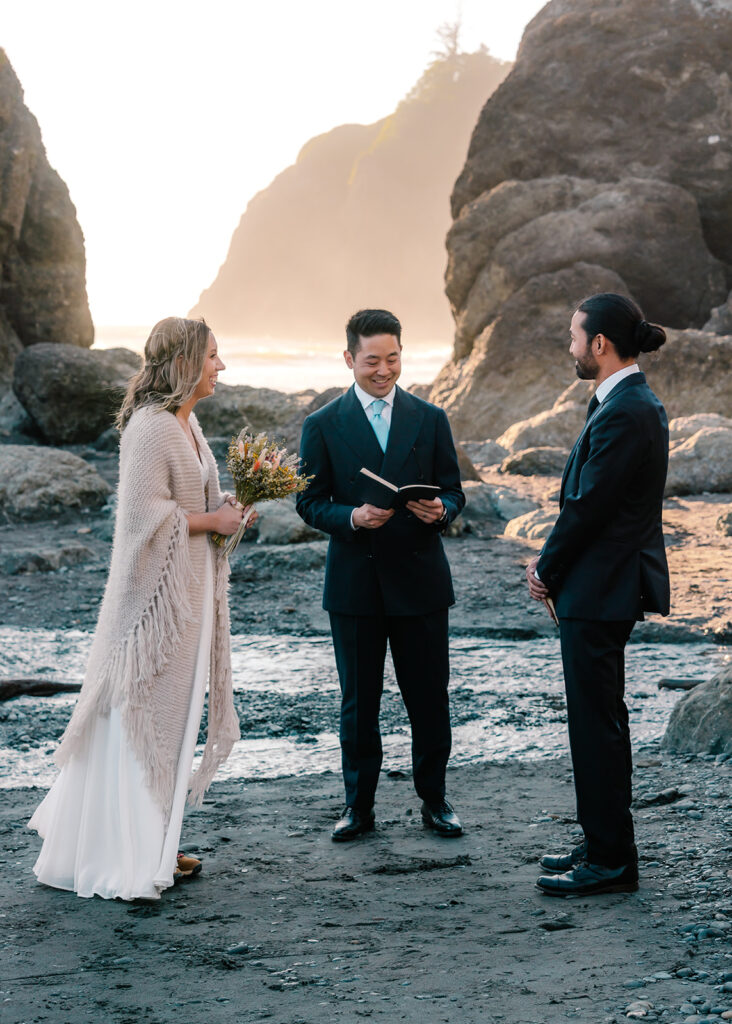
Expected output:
(143, 656)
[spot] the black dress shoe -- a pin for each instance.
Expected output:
(351, 824)
(590, 880)
(442, 819)
(557, 865)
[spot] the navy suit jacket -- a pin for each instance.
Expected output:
(400, 567)
(605, 558)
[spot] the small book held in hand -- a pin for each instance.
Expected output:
(374, 490)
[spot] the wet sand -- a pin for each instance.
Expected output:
(284, 925)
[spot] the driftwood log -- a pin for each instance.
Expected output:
(10, 688)
(678, 684)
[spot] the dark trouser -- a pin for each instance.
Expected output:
(420, 654)
(599, 738)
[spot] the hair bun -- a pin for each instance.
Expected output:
(649, 337)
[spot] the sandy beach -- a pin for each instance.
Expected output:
(284, 925)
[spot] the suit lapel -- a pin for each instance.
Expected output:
(406, 419)
(358, 433)
(632, 380)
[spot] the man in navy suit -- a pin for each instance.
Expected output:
(604, 565)
(386, 578)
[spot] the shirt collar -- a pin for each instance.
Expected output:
(604, 389)
(366, 399)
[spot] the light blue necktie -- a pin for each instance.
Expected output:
(381, 427)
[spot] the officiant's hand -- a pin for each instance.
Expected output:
(537, 590)
(429, 510)
(370, 517)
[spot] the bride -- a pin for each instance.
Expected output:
(111, 821)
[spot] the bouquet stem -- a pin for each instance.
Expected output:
(230, 544)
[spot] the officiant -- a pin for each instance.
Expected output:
(387, 579)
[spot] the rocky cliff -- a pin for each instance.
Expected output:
(42, 261)
(603, 162)
(359, 219)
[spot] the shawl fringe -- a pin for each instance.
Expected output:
(124, 678)
(223, 721)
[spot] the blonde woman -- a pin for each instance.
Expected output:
(111, 821)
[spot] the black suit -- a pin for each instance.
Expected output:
(392, 583)
(605, 565)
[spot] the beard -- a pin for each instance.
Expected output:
(586, 367)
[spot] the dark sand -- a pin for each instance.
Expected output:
(285, 925)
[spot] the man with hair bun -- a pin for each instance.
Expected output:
(604, 565)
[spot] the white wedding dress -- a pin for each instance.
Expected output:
(104, 834)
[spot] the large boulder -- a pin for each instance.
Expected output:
(599, 165)
(702, 462)
(701, 722)
(72, 394)
(543, 460)
(519, 361)
(10, 347)
(279, 523)
(536, 525)
(558, 427)
(42, 260)
(479, 515)
(720, 322)
(686, 426)
(235, 407)
(37, 482)
(692, 373)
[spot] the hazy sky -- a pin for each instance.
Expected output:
(164, 118)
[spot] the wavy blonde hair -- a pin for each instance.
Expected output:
(174, 356)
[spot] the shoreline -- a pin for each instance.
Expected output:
(285, 925)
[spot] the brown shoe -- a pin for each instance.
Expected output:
(186, 867)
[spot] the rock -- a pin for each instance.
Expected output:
(509, 504)
(10, 688)
(720, 322)
(467, 469)
(701, 722)
(10, 347)
(532, 525)
(639, 1008)
(692, 372)
(24, 560)
(484, 453)
(235, 407)
(540, 461)
(279, 523)
(255, 563)
(15, 423)
(480, 515)
(685, 426)
(42, 262)
(37, 482)
(558, 427)
(373, 182)
(505, 369)
(535, 201)
(724, 524)
(72, 394)
(702, 462)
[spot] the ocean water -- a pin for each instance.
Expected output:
(291, 365)
(507, 701)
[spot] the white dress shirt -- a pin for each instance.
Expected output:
(604, 389)
(366, 399)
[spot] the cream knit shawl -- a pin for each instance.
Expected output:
(143, 656)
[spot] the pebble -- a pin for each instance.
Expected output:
(639, 1008)
(238, 949)
(727, 986)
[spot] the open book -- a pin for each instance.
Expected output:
(374, 490)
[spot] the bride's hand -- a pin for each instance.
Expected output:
(228, 518)
(252, 518)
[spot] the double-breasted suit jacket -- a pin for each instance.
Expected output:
(400, 568)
